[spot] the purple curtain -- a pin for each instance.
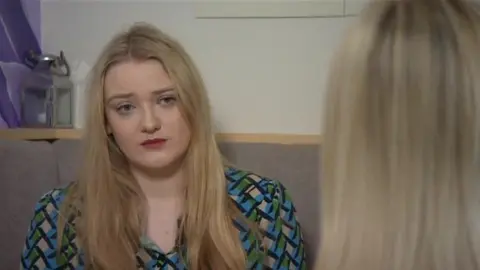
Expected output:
(19, 34)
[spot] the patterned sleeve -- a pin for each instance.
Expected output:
(283, 236)
(39, 251)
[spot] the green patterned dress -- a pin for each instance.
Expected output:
(260, 199)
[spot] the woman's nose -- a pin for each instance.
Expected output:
(150, 122)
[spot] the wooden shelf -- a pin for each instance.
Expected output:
(39, 134)
(72, 134)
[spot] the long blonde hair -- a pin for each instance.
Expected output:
(112, 205)
(401, 156)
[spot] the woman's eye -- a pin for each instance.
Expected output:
(166, 100)
(125, 108)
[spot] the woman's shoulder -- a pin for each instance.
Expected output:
(41, 241)
(249, 188)
(47, 209)
(242, 181)
(268, 203)
(51, 201)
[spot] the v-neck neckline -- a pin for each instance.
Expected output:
(147, 242)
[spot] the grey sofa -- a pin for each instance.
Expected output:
(30, 168)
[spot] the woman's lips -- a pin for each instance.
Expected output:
(153, 143)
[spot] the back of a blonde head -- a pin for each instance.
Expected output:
(401, 148)
(110, 201)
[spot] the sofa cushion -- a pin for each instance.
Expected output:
(69, 156)
(27, 171)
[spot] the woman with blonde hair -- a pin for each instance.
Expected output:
(401, 157)
(154, 192)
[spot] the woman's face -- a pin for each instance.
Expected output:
(143, 114)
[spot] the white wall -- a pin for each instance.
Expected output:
(263, 75)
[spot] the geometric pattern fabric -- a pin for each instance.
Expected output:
(259, 199)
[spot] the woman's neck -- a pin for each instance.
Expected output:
(160, 184)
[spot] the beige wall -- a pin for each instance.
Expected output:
(263, 75)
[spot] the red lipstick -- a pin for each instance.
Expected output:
(153, 143)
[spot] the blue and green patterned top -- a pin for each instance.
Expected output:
(258, 198)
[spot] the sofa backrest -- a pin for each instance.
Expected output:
(28, 169)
